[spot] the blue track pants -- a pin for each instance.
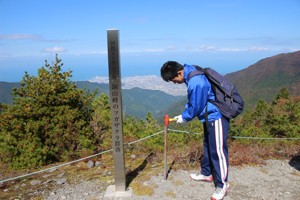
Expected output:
(216, 150)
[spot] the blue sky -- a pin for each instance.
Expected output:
(225, 35)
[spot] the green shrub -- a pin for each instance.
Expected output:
(48, 121)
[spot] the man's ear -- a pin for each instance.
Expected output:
(180, 73)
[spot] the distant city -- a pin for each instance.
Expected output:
(151, 82)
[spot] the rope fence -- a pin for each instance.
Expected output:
(130, 144)
(254, 138)
(78, 159)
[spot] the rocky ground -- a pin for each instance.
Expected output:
(278, 179)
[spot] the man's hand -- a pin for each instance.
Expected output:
(179, 119)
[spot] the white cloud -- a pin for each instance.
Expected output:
(126, 51)
(258, 49)
(20, 36)
(211, 48)
(103, 52)
(228, 49)
(205, 48)
(171, 48)
(54, 50)
(153, 50)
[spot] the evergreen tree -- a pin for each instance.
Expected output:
(48, 121)
(284, 94)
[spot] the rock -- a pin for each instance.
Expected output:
(98, 163)
(48, 181)
(6, 190)
(60, 181)
(109, 173)
(45, 176)
(35, 182)
(91, 164)
(105, 173)
(52, 170)
(63, 197)
(23, 185)
(60, 175)
(17, 186)
(52, 193)
(132, 156)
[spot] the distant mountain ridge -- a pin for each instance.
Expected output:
(136, 101)
(264, 79)
(272, 72)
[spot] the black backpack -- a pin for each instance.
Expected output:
(227, 99)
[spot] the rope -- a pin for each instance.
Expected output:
(258, 138)
(78, 159)
(183, 131)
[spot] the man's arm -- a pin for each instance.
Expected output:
(197, 96)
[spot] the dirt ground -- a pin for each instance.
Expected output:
(278, 179)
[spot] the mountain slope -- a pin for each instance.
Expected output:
(264, 79)
(272, 72)
(6, 90)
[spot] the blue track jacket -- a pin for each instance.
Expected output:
(199, 91)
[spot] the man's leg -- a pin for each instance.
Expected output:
(206, 165)
(218, 150)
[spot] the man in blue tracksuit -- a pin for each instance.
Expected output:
(215, 146)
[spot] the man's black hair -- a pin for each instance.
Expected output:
(169, 70)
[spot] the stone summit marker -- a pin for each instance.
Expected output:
(116, 116)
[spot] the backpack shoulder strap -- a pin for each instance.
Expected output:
(196, 72)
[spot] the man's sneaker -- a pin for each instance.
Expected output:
(220, 192)
(201, 177)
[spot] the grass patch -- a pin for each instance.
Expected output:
(153, 185)
(177, 182)
(263, 170)
(171, 194)
(140, 189)
(230, 183)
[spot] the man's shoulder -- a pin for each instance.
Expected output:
(199, 79)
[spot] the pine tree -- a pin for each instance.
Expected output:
(48, 121)
(284, 94)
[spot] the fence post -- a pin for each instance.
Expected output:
(166, 133)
